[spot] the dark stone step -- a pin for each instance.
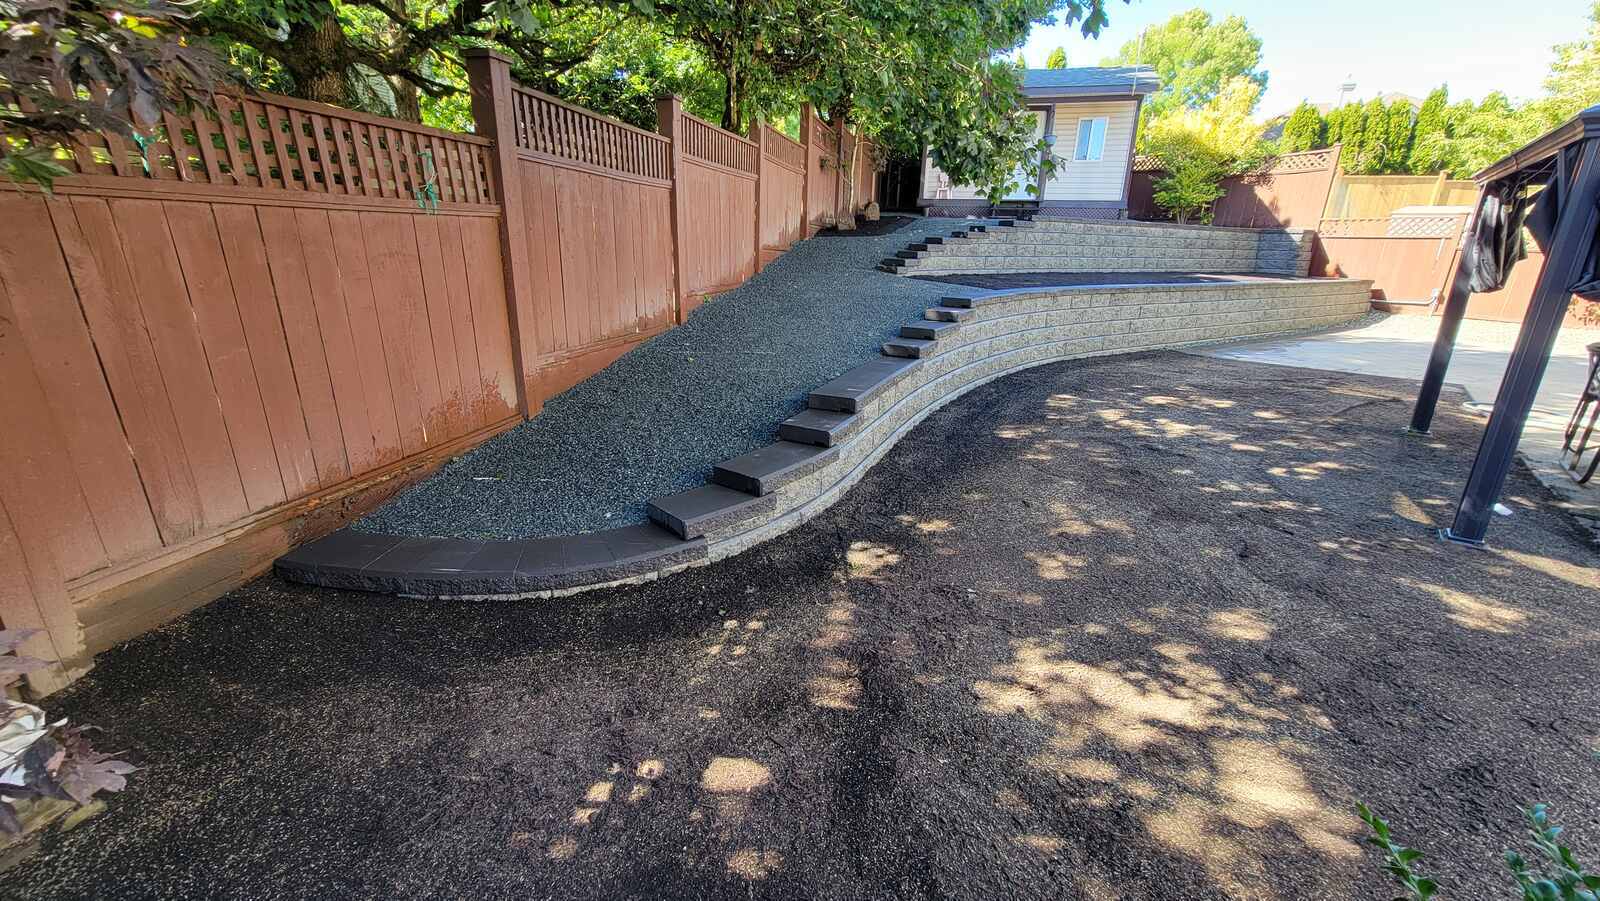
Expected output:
(766, 469)
(929, 330)
(850, 391)
(892, 262)
(693, 513)
(909, 254)
(947, 314)
(824, 428)
(913, 348)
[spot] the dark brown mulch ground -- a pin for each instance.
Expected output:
(867, 229)
(1139, 627)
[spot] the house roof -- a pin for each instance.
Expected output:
(1090, 80)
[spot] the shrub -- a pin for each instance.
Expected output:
(1198, 148)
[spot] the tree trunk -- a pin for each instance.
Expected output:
(407, 100)
(845, 221)
(317, 59)
(732, 98)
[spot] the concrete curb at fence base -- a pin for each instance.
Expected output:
(1007, 332)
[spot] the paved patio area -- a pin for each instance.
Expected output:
(1398, 347)
(1140, 627)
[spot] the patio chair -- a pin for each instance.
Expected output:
(1588, 402)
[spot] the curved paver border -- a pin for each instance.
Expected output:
(851, 422)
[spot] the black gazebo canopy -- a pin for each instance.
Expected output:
(1566, 162)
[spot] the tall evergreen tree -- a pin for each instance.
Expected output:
(1303, 130)
(1431, 132)
(1397, 130)
(1363, 150)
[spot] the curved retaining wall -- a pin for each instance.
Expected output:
(849, 424)
(1061, 245)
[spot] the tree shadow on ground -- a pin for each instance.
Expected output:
(1134, 627)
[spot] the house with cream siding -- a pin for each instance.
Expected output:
(1089, 116)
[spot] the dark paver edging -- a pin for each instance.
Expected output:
(853, 421)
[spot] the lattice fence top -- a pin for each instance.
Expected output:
(1144, 162)
(1427, 225)
(267, 141)
(545, 125)
(704, 141)
(780, 148)
(1304, 161)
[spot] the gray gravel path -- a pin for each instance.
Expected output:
(659, 418)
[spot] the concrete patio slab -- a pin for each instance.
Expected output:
(1398, 346)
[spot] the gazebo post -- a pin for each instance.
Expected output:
(1564, 261)
(1444, 343)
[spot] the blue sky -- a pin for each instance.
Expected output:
(1308, 48)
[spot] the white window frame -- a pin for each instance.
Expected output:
(1088, 151)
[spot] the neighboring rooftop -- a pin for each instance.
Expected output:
(1137, 80)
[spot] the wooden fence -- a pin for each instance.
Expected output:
(1361, 232)
(1409, 259)
(245, 318)
(1376, 196)
(1291, 192)
(270, 315)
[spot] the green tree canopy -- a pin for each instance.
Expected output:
(1057, 59)
(1195, 56)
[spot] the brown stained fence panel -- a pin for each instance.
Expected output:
(718, 191)
(244, 317)
(822, 190)
(1291, 192)
(782, 192)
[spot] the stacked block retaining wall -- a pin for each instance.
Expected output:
(1072, 245)
(851, 422)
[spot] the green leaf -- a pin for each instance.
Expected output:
(33, 165)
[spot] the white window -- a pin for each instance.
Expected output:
(1091, 139)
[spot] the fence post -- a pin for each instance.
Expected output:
(669, 114)
(807, 116)
(489, 75)
(758, 134)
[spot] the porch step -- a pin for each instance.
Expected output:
(824, 428)
(693, 513)
(928, 330)
(850, 391)
(767, 469)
